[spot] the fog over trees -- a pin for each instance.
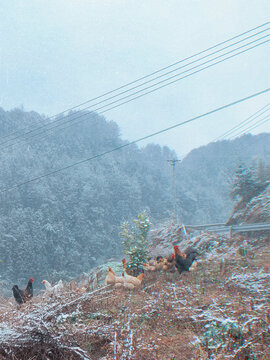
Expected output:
(67, 223)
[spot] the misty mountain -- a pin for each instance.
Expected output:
(207, 174)
(67, 223)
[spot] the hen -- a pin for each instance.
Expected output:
(159, 263)
(155, 265)
(169, 263)
(125, 285)
(149, 267)
(21, 296)
(17, 295)
(136, 281)
(112, 278)
(56, 289)
(183, 261)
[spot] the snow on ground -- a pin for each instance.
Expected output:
(218, 311)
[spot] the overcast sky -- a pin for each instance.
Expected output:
(55, 54)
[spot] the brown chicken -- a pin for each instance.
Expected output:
(112, 278)
(125, 285)
(136, 281)
(154, 265)
(149, 267)
(169, 263)
(159, 263)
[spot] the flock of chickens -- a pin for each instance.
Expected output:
(22, 296)
(177, 261)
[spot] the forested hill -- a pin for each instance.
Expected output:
(70, 221)
(67, 223)
(207, 173)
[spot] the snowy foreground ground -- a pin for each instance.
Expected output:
(218, 311)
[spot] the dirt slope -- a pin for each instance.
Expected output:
(220, 309)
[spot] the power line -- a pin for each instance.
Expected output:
(253, 126)
(259, 123)
(157, 71)
(135, 141)
(171, 77)
(250, 126)
(112, 91)
(169, 66)
(183, 66)
(146, 93)
(243, 123)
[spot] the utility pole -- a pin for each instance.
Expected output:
(173, 162)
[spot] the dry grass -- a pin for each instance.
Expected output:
(219, 311)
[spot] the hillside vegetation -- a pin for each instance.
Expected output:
(218, 311)
(257, 210)
(67, 223)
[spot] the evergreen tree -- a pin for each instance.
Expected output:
(249, 182)
(135, 243)
(243, 184)
(262, 175)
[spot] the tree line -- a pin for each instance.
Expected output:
(65, 224)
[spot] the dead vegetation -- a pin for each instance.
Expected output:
(219, 311)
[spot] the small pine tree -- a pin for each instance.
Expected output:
(243, 185)
(135, 242)
(248, 182)
(262, 175)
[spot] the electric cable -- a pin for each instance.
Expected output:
(253, 126)
(135, 141)
(243, 123)
(148, 92)
(237, 36)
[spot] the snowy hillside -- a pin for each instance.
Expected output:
(219, 310)
(68, 223)
(256, 211)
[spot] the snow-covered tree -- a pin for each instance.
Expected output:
(249, 182)
(135, 242)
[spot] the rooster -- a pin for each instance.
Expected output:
(183, 261)
(21, 296)
(28, 291)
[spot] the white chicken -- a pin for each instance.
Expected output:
(56, 289)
